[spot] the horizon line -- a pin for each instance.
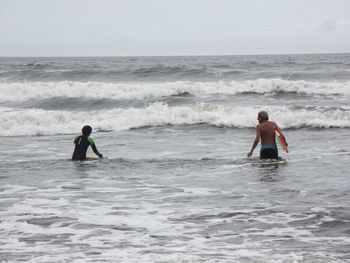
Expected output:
(201, 55)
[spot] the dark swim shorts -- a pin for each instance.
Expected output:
(268, 151)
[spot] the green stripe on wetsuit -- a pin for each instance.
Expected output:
(90, 140)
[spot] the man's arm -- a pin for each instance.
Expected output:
(282, 135)
(256, 141)
(93, 146)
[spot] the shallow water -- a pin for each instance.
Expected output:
(176, 185)
(176, 194)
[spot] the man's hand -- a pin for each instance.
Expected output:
(249, 154)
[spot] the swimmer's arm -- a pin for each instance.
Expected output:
(93, 146)
(282, 135)
(256, 141)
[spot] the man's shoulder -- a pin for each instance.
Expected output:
(266, 124)
(90, 140)
(271, 123)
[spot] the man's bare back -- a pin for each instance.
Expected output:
(267, 132)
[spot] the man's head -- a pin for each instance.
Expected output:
(86, 130)
(263, 116)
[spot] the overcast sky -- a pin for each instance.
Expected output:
(172, 27)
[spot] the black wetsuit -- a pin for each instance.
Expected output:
(82, 143)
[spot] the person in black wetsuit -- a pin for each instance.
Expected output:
(82, 143)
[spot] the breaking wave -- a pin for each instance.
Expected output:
(22, 91)
(14, 122)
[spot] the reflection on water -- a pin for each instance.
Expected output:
(270, 174)
(269, 170)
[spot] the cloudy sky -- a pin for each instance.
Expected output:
(172, 27)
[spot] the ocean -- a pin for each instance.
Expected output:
(175, 184)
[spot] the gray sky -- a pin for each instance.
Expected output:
(172, 27)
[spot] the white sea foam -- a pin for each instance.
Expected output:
(38, 121)
(22, 91)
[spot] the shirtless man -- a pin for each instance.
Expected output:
(266, 131)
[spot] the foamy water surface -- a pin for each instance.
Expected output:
(176, 186)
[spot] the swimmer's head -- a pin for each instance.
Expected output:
(86, 130)
(263, 116)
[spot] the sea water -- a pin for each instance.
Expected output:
(177, 185)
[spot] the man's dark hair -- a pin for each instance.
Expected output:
(86, 130)
(263, 115)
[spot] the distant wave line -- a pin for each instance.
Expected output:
(22, 91)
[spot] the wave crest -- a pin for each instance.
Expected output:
(22, 91)
(37, 121)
